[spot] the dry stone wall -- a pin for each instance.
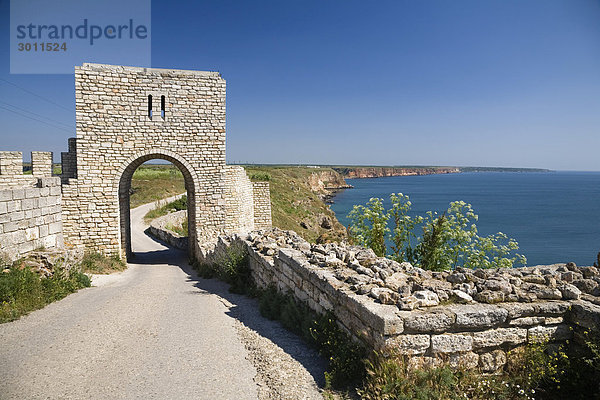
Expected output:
(30, 205)
(463, 330)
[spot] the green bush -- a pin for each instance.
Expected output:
(448, 241)
(260, 176)
(97, 263)
(345, 357)
(230, 266)
(22, 290)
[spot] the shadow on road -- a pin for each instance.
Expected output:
(243, 309)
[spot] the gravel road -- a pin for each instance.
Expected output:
(154, 331)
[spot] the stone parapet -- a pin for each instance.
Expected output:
(467, 334)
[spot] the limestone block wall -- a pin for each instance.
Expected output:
(239, 209)
(120, 124)
(30, 217)
(41, 163)
(464, 333)
(262, 205)
(11, 170)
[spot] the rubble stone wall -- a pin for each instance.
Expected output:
(401, 310)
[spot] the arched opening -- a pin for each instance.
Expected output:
(124, 193)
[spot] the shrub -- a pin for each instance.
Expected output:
(391, 378)
(260, 176)
(230, 266)
(448, 241)
(369, 225)
(22, 290)
(97, 263)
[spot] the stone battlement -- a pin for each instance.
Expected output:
(11, 168)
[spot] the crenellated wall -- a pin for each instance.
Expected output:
(126, 116)
(30, 205)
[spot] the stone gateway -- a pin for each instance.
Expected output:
(126, 116)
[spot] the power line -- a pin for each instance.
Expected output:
(36, 95)
(35, 119)
(38, 115)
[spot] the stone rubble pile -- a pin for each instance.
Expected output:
(409, 287)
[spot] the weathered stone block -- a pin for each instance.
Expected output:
(545, 333)
(436, 321)
(478, 316)
(492, 361)
(499, 337)
(451, 343)
(409, 344)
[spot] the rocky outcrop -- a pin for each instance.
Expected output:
(326, 180)
(377, 172)
(469, 318)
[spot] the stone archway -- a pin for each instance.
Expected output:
(124, 185)
(119, 127)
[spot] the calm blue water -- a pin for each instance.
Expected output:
(555, 216)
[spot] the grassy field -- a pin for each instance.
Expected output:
(153, 182)
(294, 203)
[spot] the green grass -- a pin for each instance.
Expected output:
(293, 202)
(176, 205)
(23, 291)
(97, 263)
(153, 182)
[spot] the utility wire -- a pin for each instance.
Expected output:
(35, 119)
(36, 95)
(38, 115)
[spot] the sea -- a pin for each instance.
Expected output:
(554, 216)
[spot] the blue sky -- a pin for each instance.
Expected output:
(486, 83)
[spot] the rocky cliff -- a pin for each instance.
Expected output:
(376, 172)
(326, 180)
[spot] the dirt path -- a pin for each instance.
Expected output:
(155, 331)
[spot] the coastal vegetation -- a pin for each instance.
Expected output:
(38, 279)
(98, 263)
(432, 241)
(297, 200)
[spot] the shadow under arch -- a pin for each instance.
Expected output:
(125, 174)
